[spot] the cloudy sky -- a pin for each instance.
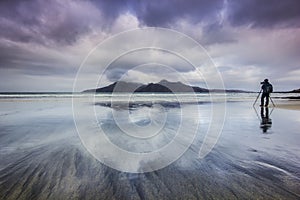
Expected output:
(43, 43)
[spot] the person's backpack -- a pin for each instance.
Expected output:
(269, 88)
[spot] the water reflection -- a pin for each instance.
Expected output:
(266, 121)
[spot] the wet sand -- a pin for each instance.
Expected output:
(41, 157)
(289, 104)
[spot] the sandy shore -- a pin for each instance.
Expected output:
(288, 104)
(42, 157)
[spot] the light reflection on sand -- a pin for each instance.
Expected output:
(41, 157)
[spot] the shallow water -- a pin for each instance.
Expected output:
(42, 156)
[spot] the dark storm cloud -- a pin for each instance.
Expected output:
(161, 13)
(166, 12)
(55, 22)
(267, 13)
(43, 22)
(112, 9)
(47, 38)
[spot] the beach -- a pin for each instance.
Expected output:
(290, 104)
(42, 156)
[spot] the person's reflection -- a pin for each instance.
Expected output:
(266, 122)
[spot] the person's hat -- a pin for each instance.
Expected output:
(266, 80)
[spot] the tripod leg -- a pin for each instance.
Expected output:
(257, 97)
(272, 102)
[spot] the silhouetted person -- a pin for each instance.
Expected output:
(267, 88)
(266, 122)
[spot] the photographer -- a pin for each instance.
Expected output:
(267, 88)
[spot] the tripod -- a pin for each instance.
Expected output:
(258, 97)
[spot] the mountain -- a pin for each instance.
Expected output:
(163, 86)
(168, 87)
(122, 86)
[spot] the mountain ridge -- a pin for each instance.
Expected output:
(163, 86)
